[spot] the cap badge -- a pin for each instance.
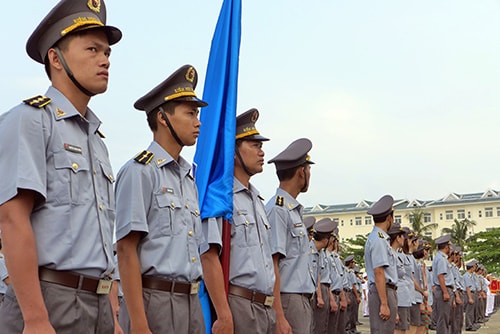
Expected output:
(255, 116)
(190, 74)
(94, 5)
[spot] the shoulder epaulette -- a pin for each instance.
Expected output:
(38, 101)
(144, 157)
(381, 235)
(279, 200)
(190, 176)
(260, 197)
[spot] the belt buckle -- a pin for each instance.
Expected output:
(104, 287)
(269, 301)
(194, 288)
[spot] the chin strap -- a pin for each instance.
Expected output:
(172, 131)
(241, 162)
(70, 74)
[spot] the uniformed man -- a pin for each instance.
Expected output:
(470, 299)
(56, 190)
(458, 311)
(322, 233)
(338, 305)
(443, 282)
(251, 272)
(290, 242)
(380, 263)
(352, 294)
(309, 223)
(157, 215)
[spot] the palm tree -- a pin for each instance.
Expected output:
(418, 225)
(459, 231)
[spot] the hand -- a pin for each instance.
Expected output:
(320, 302)
(343, 305)
(39, 328)
(471, 301)
(385, 312)
(223, 326)
(334, 307)
(459, 300)
(283, 327)
(358, 300)
(446, 296)
(397, 318)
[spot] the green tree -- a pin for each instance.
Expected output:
(459, 231)
(356, 247)
(418, 225)
(485, 247)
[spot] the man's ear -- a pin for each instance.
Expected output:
(54, 60)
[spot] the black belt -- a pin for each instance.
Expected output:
(347, 290)
(326, 284)
(251, 295)
(336, 292)
(156, 283)
(391, 286)
(75, 280)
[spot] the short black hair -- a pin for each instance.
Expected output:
(168, 107)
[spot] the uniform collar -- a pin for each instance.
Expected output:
(64, 109)
(162, 158)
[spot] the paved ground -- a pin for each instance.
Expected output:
(492, 326)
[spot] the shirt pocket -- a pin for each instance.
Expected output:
(244, 232)
(297, 241)
(72, 182)
(169, 211)
(109, 180)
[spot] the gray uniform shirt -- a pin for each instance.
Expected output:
(59, 154)
(405, 282)
(160, 199)
(251, 262)
(324, 267)
(337, 271)
(289, 238)
(440, 265)
(378, 253)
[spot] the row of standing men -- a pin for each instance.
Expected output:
(59, 201)
(402, 287)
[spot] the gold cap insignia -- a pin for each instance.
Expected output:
(190, 74)
(94, 5)
(255, 116)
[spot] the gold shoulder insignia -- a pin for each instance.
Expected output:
(100, 134)
(381, 235)
(279, 200)
(260, 197)
(38, 101)
(144, 157)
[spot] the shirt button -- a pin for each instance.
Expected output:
(193, 259)
(300, 232)
(74, 165)
(111, 177)
(95, 172)
(190, 233)
(172, 204)
(187, 206)
(100, 207)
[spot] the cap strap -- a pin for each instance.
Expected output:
(172, 131)
(70, 74)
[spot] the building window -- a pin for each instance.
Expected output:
(335, 220)
(428, 234)
(358, 221)
(449, 214)
(342, 222)
(427, 217)
(397, 219)
(440, 216)
(480, 214)
(460, 214)
(368, 220)
(498, 211)
(350, 222)
(411, 218)
(469, 215)
(488, 212)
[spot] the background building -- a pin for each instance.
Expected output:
(483, 208)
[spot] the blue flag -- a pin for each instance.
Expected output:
(213, 160)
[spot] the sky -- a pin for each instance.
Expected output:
(398, 97)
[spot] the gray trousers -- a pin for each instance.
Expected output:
(249, 317)
(298, 312)
(443, 311)
(71, 311)
(469, 312)
(168, 313)
(457, 316)
(377, 325)
(336, 320)
(321, 315)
